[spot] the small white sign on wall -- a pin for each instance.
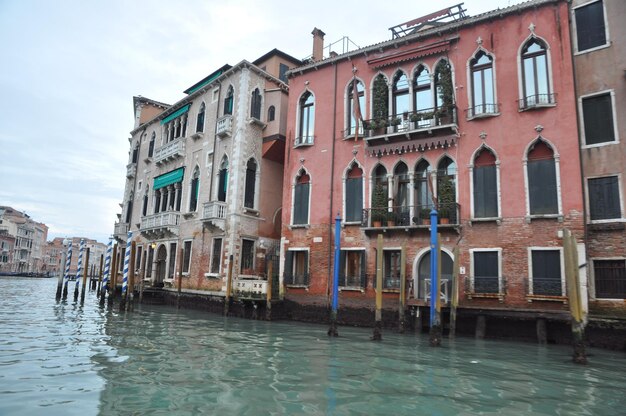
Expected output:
(461, 270)
(317, 239)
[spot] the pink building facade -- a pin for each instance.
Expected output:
(475, 117)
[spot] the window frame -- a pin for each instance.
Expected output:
(256, 101)
(616, 138)
(186, 269)
(472, 168)
(200, 118)
(290, 260)
(250, 185)
(498, 251)
(211, 273)
(593, 283)
(229, 101)
(349, 104)
(343, 268)
(489, 108)
(531, 291)
(346, 181)
(556, 160)
(620, 200)
(194, 190)
(607, 38)
(308, 110)
(294, 201)
(252, 259)
(271, 113)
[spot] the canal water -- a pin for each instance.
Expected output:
(67, 359)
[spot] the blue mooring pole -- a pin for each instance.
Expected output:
(332, 331)
(435, 324)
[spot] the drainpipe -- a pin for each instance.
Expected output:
(332, 180)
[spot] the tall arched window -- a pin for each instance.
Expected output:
(301, 195)
(129, 208)
(307, 119)
(481, 70)
(354, 194)
(135, 155)
(194, 190)
(535, 81)
(151, 146)
(541, 170)
(446, 188)
(485, 184)
(271, 113)
(229, 101)
(200, 118)
(255, 104)
(401, 193)
(422, 96)
(222, 186)
(157, 200)
(400, 93)
(250, 184)
(350, 116)
(144, 208)
(423, 195)
(380, 195)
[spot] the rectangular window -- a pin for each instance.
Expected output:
(610, 279)
(391, 269)
(546, 272)
(138, 258)
(186, 256)
(590, 29)
(296, 268)
(247, 257)
(604, 201)
(598, 119)
(542, 187)
(282, 69)
(172, 265)
(301, 204)
(216, 256)
(486, 271)
(352, 268)
(354, 199)
(485, 192)
(149, 263)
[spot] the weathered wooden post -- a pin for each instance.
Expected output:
(144, 262)
(572, 277)
(98, 288)
(180, 276)
(378, 324)
(454, 299)
(82, 289)
(130, 296)
(435, 311)
(270, 282)
(79, 271)
(229, 277)
(113, 283)
(332, 331)
(63, 275)
(402, 305)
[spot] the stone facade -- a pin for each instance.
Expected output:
(22, 244)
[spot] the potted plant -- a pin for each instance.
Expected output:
(379, 206)
(391, 219)
(424, 216)
(395, 121)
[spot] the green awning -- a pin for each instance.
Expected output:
(168, 178)
(176, 113)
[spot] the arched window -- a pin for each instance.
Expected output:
(250, 184)
(307, 119)
(200, 119)
(535, 81)
(144, 209)
(423, 195)
(301, 199)
(228, 101)
(354, 194)
(446, 189)
(135, 155)
(129, 208)
(151, 146)
(400, 93)
(485, 184)
(271, 113)
(380, 98)
(541, 170)
(401, 194)
(444, 94)
(222, 186)
(380, 195)
(481, 72)
(157, 200)
(422, 96)
(360, 90)
(255, 104)
(194, 190)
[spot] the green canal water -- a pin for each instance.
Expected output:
(67, 359)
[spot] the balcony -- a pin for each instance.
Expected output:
(482, 111)
(224, 126)
(444, 289)
(131, 170)
(251, 288)
(214, 213)
(492, 287)
(409, 217)
(170, 151)
(425, 128)
(121, 231)
(536, 101)
(163, 224)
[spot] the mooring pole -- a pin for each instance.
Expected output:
(113, 280)
(126, 270)
(228, 285)
(107, 271)
(144, 261)
(270, 282)
(332, 331)
(98, 288)
(575, 300)
(180, 276)
(378, 324)
(130, 296)
(79, 271)
(82, 289)
(402, 305)
(68, 262)
(454, 300)
(435, 319)
(65, 272)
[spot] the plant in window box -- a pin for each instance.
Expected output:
(379, 206)
(395, 121)
(425, 216)
(445, 199)
(391, 219)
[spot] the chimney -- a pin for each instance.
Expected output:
(318, 44)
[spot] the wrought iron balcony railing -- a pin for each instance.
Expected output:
(410, 216)
(482, 110)
(297, 279)
(485, 286)
(546, 287)
(537, 101)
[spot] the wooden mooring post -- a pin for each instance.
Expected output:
(82, 289)
(130, 296)
(99, 287)
(113, 279)
(572, 277)
(268, 302)
(378, 324)
(229, 278)
(144, 262)
(454, 299)
(180, 276)
(402, 305)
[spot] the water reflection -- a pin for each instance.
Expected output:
(60, 358)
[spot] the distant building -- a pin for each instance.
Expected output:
(28, 238)
(599, 46)
(205, 178)
(55, 250)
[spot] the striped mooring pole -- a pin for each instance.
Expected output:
(79, 270)
(107, 271)
(126, 268)
(68, 261)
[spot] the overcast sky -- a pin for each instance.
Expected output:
(69, 71)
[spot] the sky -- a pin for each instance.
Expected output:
(69, 70)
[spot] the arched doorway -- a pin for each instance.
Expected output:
(160, 264)
(422, 275)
